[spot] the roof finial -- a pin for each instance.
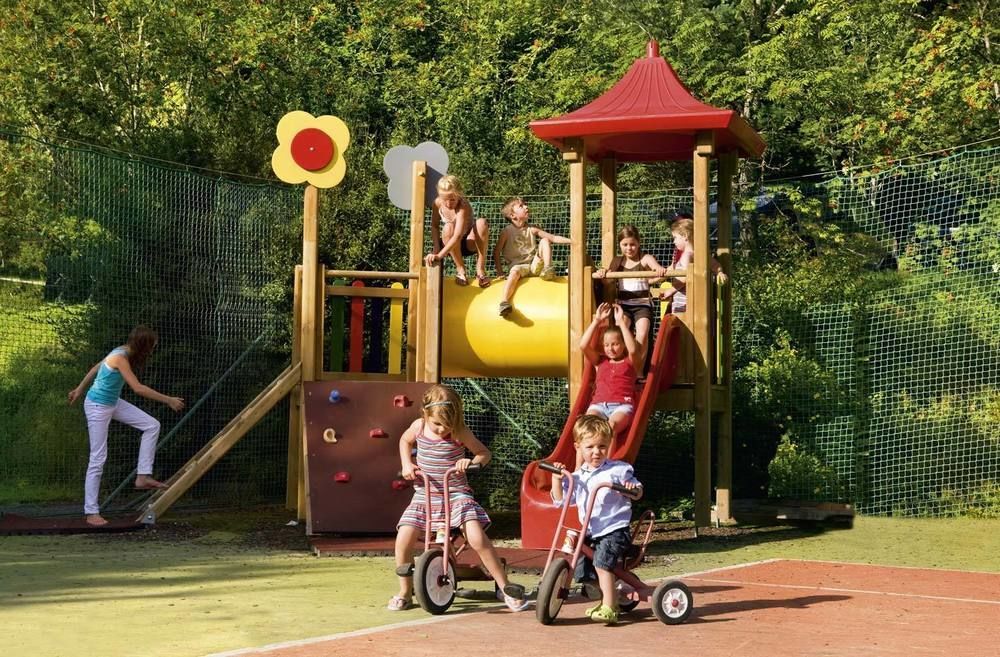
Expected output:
(652, 48)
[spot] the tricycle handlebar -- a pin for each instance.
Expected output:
(548, 467)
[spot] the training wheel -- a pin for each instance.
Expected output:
(434, 581)
(673, 602)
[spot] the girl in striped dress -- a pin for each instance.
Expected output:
(441, 440)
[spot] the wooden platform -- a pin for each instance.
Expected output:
(518, 559)
(13, 524)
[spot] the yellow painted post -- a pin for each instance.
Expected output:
(292, 480)
(609, 209)
(396, 332)
(576, 157)
(413, 324)
(699, 312)
(724, 443)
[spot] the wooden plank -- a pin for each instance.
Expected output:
(672, 273)
(310, 267)
(368, 292)
(357, 340)
(417, 204)
(396, 332)
(320, 317)
(294, 466)
(218, 446)
(360, 376)
(724, 339)
(432, 325)
(371, 275)
(417, 329)
(577, 254)
(609, 209)
(698, 311)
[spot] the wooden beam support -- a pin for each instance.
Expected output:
(310, 269)
(699, 312)
(294, 467)
(578, 321)
(432, 325)
(413, 324)
(609, 209)
(379, 292)
(724, 337)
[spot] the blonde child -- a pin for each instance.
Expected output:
(682, 230)
(633, 293)
(608, 532)
(441, 440)
(520, 255)
(461, 235)
(617, 368)
(104, 403)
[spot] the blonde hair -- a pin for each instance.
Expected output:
(591, 426)
(442, 404)
(508, 207)
(450, 185)
(683, 227)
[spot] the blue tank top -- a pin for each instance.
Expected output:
(107, 386)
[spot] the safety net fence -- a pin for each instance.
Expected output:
(866, 331)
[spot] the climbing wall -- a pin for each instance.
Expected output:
(352, 454)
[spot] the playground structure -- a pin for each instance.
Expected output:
(453, 331)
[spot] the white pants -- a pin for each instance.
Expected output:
(99, 419)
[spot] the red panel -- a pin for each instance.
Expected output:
(357, 347)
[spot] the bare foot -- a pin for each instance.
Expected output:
(145, 482)
(95, 520)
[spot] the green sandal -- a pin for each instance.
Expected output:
(605, 614)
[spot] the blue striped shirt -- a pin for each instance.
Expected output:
(612, 510)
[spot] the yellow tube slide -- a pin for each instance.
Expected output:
(532, 341)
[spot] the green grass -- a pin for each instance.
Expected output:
(212, 582)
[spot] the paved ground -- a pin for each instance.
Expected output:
(801, 608)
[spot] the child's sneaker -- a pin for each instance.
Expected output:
(506, 308)
(515, 604)
(605, 614)
(548, 274)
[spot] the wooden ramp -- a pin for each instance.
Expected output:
(217, 447)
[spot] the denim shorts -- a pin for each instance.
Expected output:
(608, 553)
(607, 409)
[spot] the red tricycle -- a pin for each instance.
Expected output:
(436, 572)
(672, 600)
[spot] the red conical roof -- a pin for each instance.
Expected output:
(649, 116)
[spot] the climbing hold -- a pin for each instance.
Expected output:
(377, 433)
(342, 477)
(330, 436)
(334, 396)
(402, 401)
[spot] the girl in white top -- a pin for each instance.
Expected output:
(461, 235)
(683, 231)
(633, 293)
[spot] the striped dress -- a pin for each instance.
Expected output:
(434, 457)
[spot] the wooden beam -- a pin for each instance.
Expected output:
(359, 376)
(417, 203)
(724, 337)
(432, 325)
(609, 209)
(320, 318)
(371, 275)
(380, 292)
(217, 447)
(294, 466)
(670, 273)
(699, 312)
(310, 268)
(577, 259)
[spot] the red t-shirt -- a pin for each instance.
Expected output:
(615, 382)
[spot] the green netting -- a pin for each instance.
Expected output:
(866, 331)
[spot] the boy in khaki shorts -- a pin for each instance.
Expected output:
(521, 256)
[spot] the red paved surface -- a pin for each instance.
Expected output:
(769, 609)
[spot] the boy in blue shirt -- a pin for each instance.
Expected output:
(608, 531)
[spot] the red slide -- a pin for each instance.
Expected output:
(538, 513)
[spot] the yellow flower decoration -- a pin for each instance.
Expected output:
(311, 149)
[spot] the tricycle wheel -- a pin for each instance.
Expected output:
(434, 581)
(627, 599)
(552, 591)
(672, 602)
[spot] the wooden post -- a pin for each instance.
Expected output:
(310, 269)
(699, 313)
(294, 468)
(432, 325)
(320, 316)
(417, 202)
(576, 156)
(609, 209)
(724, 444)
(419, 287)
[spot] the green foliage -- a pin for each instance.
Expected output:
(797, 474)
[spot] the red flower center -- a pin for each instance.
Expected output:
(312, 149)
